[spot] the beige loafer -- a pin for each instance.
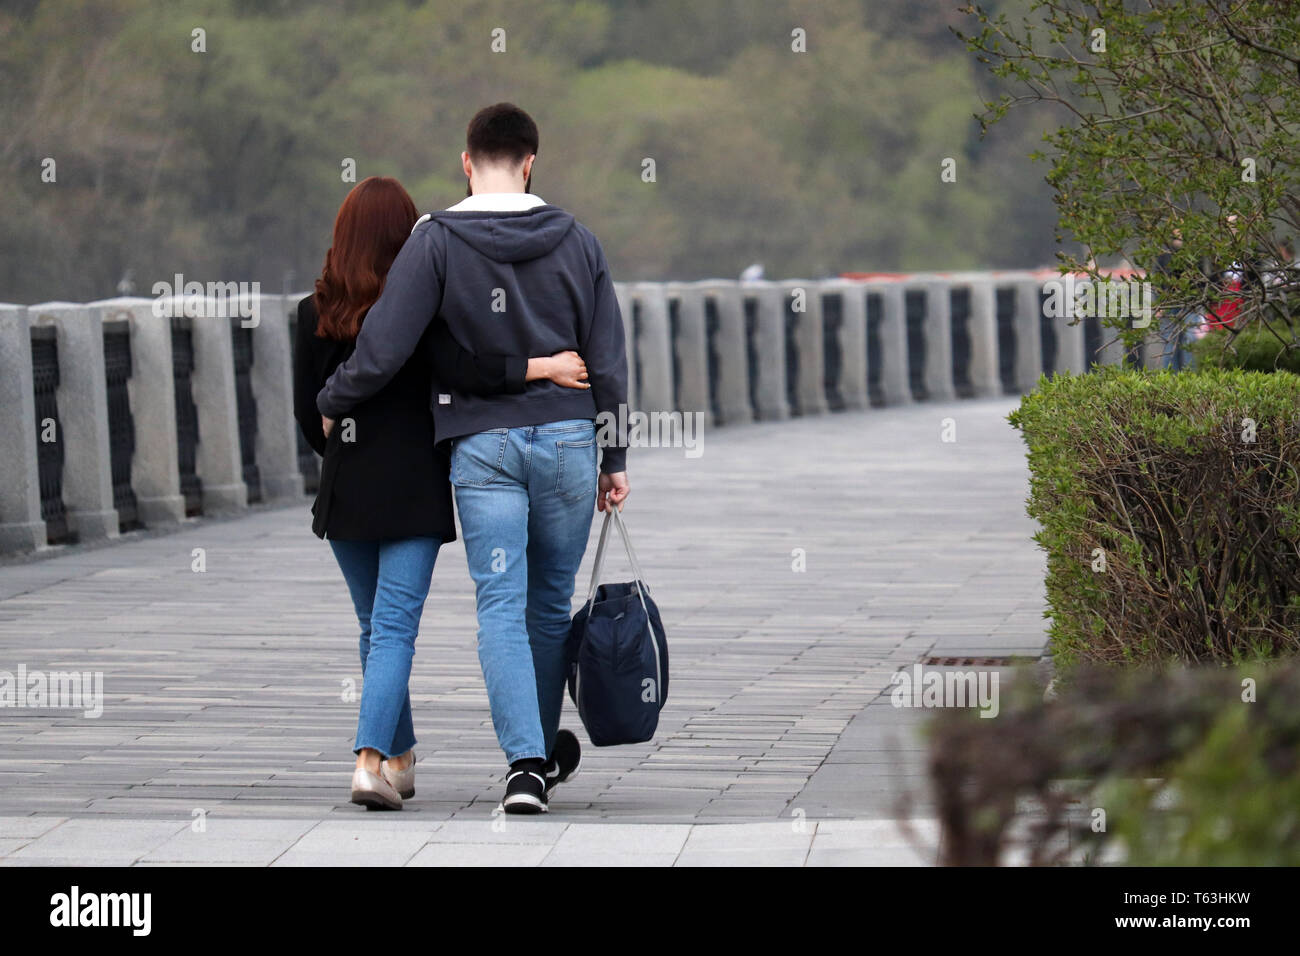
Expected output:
(374, 792)
(403, 781)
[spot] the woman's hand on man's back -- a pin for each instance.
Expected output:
(562, 368)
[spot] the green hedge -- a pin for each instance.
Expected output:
(1254, 349)
(1169, 535)
(1190, 766)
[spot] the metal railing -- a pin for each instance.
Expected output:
(49, 450)
(187, 415)
(121, 424)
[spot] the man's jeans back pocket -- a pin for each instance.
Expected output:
(477, 459)
(575, 469)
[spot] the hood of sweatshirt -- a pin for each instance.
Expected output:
(509, 236)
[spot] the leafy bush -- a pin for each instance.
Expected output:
(1169, 508)
(1255, 349)
(1132, 766)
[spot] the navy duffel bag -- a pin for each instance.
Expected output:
(618, 654)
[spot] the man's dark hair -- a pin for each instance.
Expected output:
(502, 133)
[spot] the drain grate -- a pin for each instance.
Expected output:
(1005, 661)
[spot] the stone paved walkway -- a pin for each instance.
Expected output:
(224, 690)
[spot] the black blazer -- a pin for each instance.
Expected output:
(390, 480)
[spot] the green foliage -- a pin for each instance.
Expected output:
(1187, 767)
(1178, 137)
(1186, 487)
(1256, 348)
(226, 164)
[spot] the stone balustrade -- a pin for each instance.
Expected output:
(138, 413)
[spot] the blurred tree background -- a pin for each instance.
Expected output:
(226, 164)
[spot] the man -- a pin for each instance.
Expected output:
(510, 274)
(1177, 327)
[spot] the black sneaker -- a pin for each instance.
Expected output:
(566, 759)
(525, 788)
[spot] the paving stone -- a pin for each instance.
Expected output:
(28, 827)
(100, 839)
(633, 839)
(773, 856)
(214, 850)
(869, 856)
(850, 834)
(749, 836)
(344, 845)
(118, 860)
(606, 858)
(481, 854)
(500, 829)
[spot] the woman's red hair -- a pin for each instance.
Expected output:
(373, 222)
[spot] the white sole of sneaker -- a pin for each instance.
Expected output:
(523, 803)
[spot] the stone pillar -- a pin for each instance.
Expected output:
(691, 348)
(656, 375)
(939, 383)
(155, 474)
(729, 344)
(218, 461)
(1069, 346)
(623, 295)
(853, 340)
(1070, 338)
(1029, 334)
(21, 527)
(983, 327)
(769, 340)
(811, 342)
(892, 336)
(1112, 349)
(83, 413)
(272, 380)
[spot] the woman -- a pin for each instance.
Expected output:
(384, 501)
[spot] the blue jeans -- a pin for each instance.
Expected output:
(1176, 333)
(525, 497)
(388, 581)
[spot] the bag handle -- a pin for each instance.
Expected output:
(600, 559)
(627, 543)
(613, 514)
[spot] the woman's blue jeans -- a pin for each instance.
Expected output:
(388, 581)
